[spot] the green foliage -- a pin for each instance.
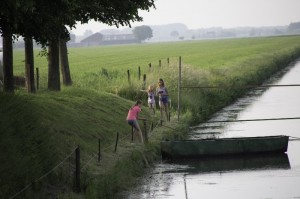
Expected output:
(294, 26)
(47, 20)
(142, 33)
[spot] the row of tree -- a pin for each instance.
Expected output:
(47, 22)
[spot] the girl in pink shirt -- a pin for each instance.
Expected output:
(132, 118)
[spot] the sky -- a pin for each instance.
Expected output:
(197, 14)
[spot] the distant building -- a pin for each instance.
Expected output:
(100, 39)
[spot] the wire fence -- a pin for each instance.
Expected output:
(62, 177)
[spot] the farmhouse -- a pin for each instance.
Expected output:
(100, 39)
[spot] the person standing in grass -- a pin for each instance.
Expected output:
(162, 93)
(132, 119)
(151, 99)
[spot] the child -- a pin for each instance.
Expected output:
(132, 119)
(162, 92)
(151, 100)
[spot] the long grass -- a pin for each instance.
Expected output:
(38, 131)
(105, 67)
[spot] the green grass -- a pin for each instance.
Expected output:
(105, 67)
(39, 130)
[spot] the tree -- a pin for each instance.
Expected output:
(294, 27)
(142, 33)
(174, 33)
(64, 63)
(46, 20)
(29, 65)
(7, 21)
(8, 78)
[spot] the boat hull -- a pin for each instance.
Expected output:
(224, 146)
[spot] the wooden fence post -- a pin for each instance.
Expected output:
(152, 126)
(37, 78)
(144, 81)
(139, 72)
(149, 67)
(99, 152)
(145, 129)
(168, 61)
(131, 133)
(159, 63)
(179, 88)
(117, 140)
(128, 76)
(77, 172)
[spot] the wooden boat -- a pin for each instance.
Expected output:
(224, 146)
(210, 164)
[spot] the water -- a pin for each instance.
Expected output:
(267, 176)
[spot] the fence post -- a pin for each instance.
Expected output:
(37, 78)
(168, 61)
(151, 126)
(117, 142)
(159, 63)
(77, 172)
(131, 133)
(145, 129)
(99, 152)
(149, 67)
(139, 72)
(144, 81)
(179, 87)
(128, 76)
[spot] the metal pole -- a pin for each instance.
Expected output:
(179, 87)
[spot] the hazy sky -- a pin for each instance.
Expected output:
(211, 13)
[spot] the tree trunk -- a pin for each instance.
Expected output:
(64, 63)
(29, 65)
(8, 75)
(53, 66)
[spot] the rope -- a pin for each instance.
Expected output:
(254, 120)
(232, 87)
(294, 138)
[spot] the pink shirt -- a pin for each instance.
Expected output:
(133, 112)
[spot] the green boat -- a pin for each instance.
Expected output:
(224, 146)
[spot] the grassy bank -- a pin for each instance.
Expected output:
(39, 131)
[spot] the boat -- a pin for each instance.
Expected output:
(223, 146)
(211, 164)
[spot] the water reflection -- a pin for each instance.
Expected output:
(267, 176)
(229, 163)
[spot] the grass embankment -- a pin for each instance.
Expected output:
(39, 131)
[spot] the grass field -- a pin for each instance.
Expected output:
(105, 67)
(39, 130)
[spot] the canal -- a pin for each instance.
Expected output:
(264, 176)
